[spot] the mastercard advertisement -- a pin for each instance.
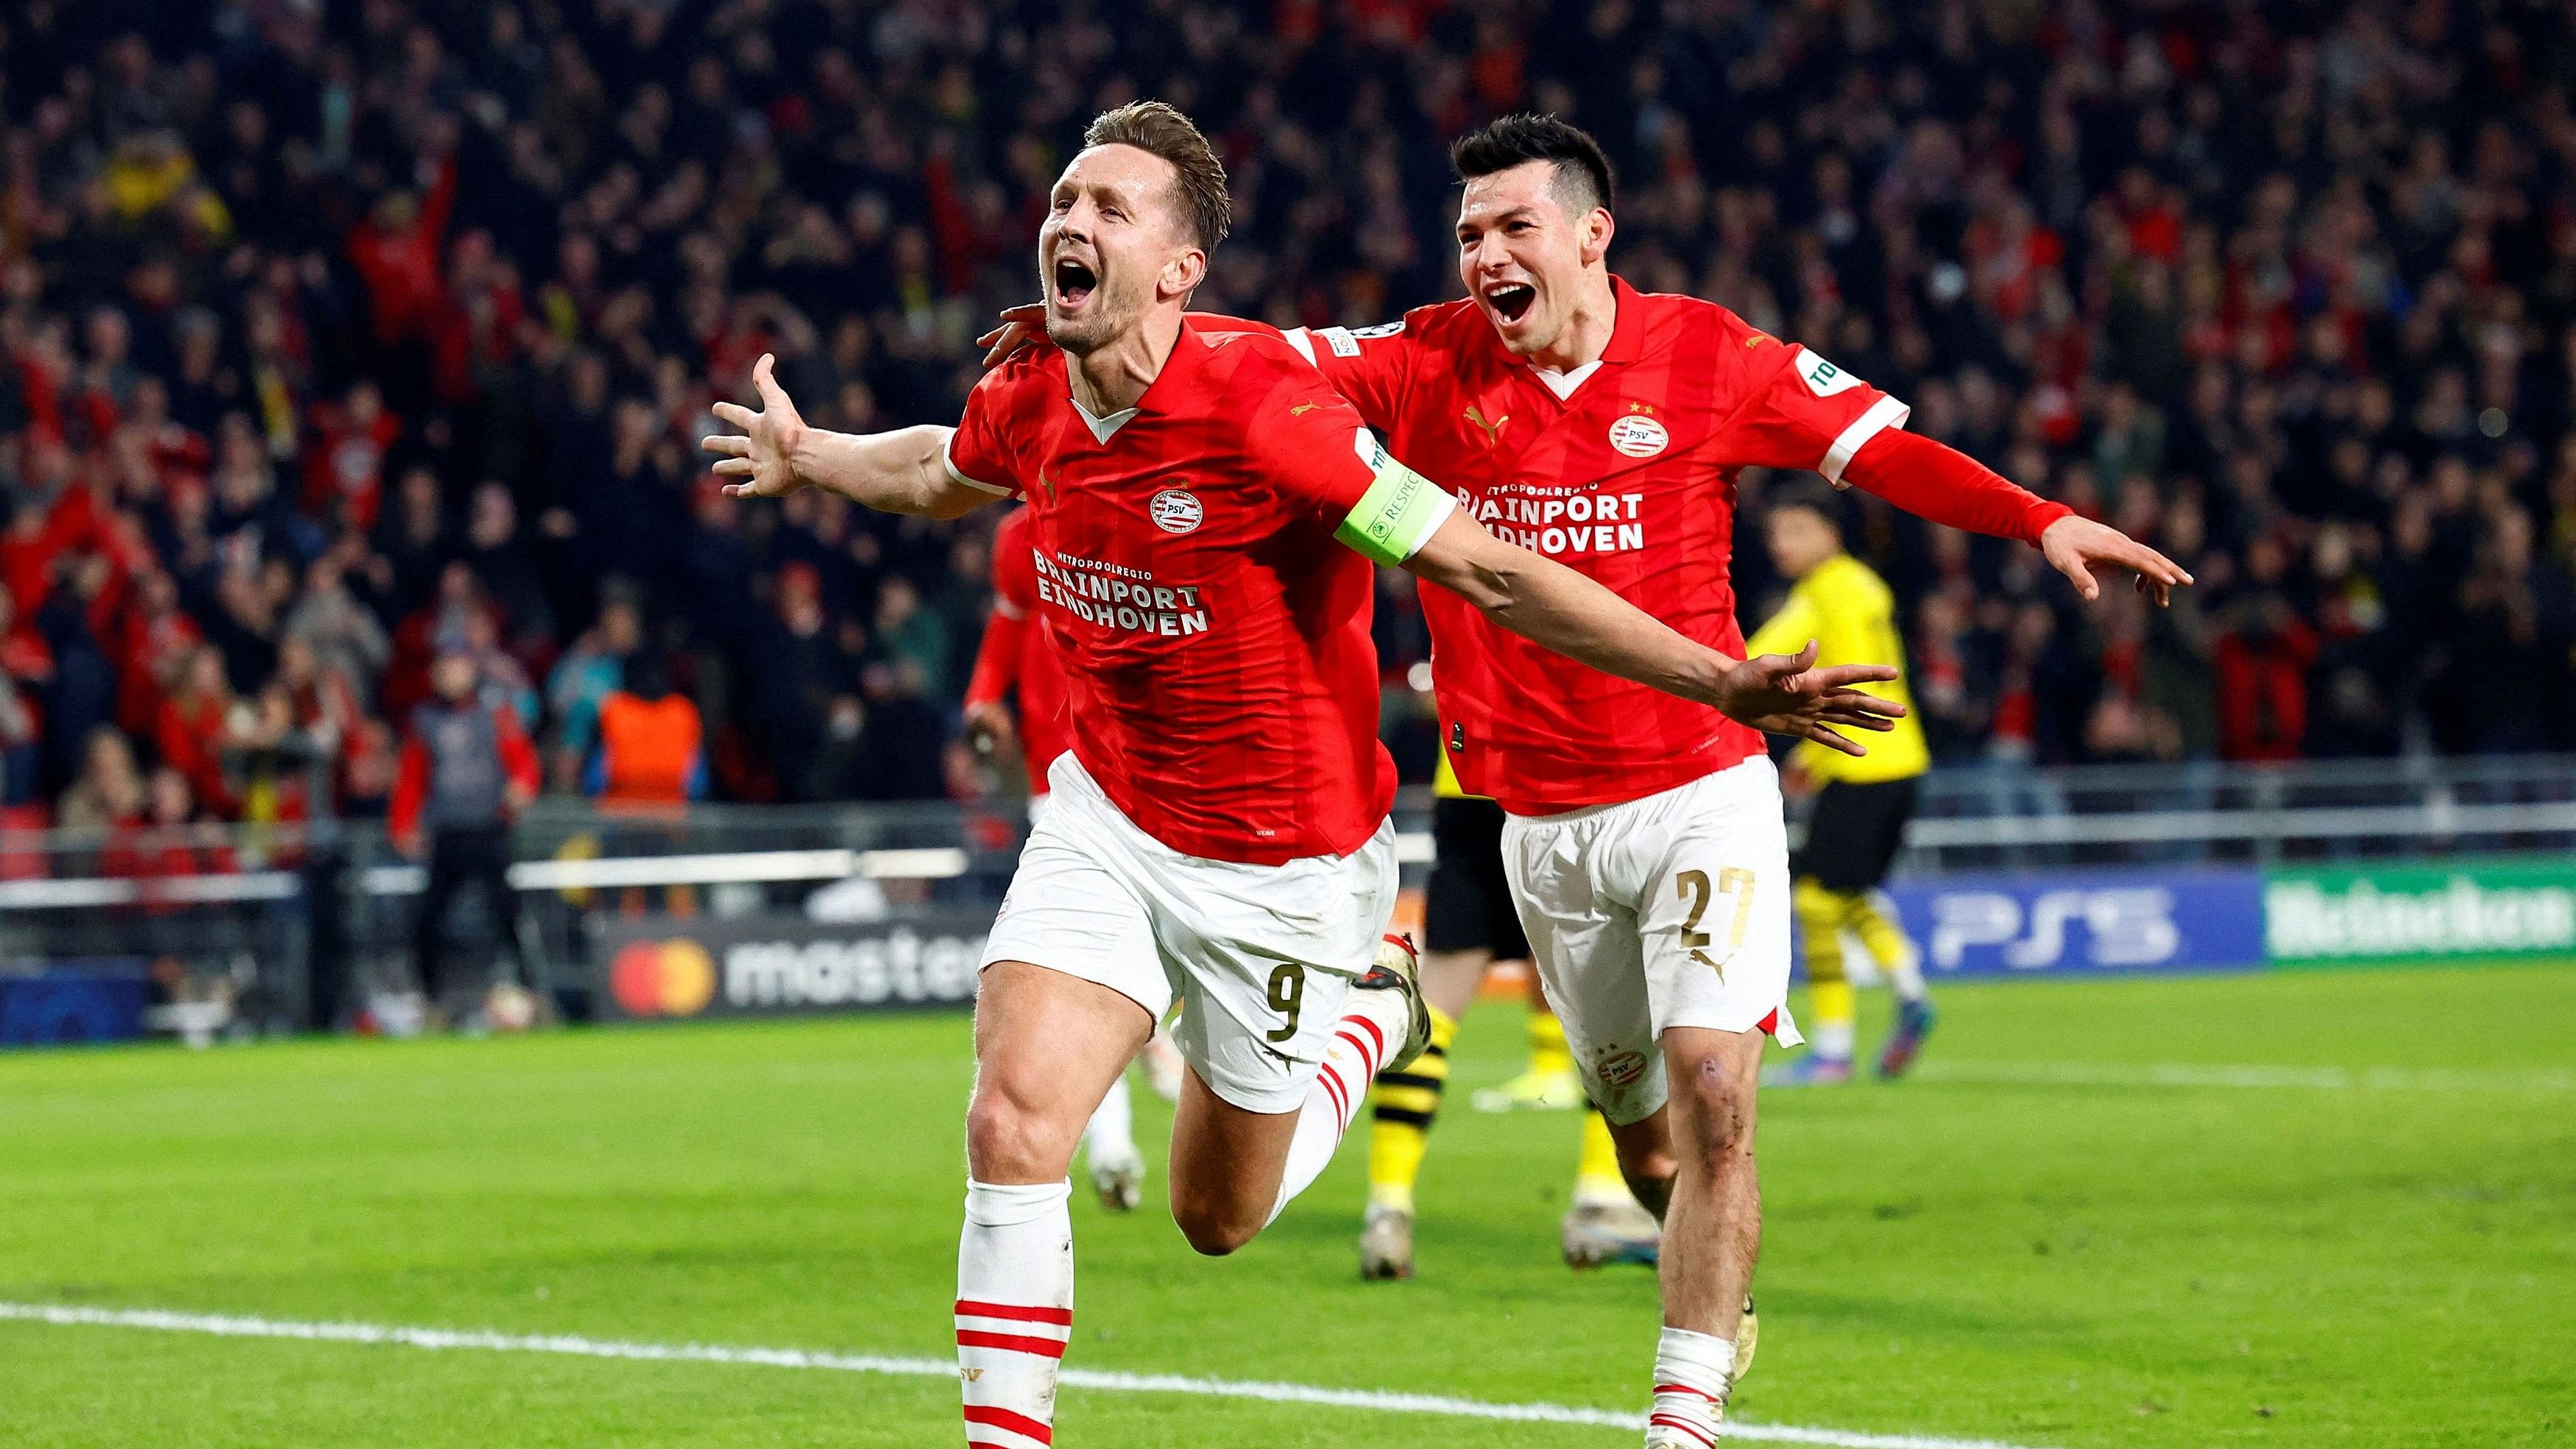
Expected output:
(677, 969)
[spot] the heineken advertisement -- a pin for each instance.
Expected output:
(2240, 918)
(2421, 912)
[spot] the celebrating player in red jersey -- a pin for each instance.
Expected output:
(1218, 830)
(1017, 655)
(1604, 427)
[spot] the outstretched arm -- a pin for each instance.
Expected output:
(904, 471)
(1577, 616)
(1935, 481)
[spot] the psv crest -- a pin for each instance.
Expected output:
(1639, 436)
(1175, 511)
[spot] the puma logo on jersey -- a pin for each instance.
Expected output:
(971, 1375)
(1301, 409)
(1758, 338)
(1702, 957)
(1493, 430)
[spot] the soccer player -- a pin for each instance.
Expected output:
(1203, 513)
(1603, 428)
(1016, 656)
(1861, 803)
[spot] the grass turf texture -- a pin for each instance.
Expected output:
(2078, 1266)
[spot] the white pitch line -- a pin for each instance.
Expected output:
(2196, 1074)
(1109, 1380)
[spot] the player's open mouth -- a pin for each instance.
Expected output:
(1073, 282)
(1511, 299)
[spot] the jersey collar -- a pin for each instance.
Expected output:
(1186, 357)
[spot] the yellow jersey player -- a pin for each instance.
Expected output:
(1861, 801)
(1468, 924)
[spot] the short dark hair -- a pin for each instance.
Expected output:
(1158, 129)
(1500, 145)
(1808, 494)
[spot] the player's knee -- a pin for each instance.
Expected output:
(1213, 1230)
(1721, 1114)
(1007, 1143)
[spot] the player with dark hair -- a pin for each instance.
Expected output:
(1203, 514)
(1603, 428)
(1857, 818)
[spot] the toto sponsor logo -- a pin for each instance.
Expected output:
(1175, 511)
(1639, 436)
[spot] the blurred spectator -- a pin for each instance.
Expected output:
(587, 674)
(467, 770)
(343, 634)
(161, 846)
(26, 665)
(798, 676)
(911, 634)
(109, 791)
(195, 724)
(652, 747)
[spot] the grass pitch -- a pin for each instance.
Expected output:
(2052, 1238)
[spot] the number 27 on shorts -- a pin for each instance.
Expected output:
(1693, 886)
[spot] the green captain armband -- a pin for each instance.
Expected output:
(1400, 511)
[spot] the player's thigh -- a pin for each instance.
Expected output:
(1226, 1163)
(1584, 947)
(1713, 892)
(1071, 987)
(1264, 957)
(1047, 1046)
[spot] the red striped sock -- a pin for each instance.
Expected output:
(1014, 1311)
(1692, 1374)
(1371, 1028)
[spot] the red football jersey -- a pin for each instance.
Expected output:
(1220, 681)
(1628, 477)
(1017, 652)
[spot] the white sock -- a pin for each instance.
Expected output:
(1112, 1128)
(1014, 1309)
(1905, 973)
(1372, 1028)
(1691, 1374)
(1832, 1039)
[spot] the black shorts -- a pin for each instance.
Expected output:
(1469, 904)
(1853, 835)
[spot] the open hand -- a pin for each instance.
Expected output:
(1786, 694)
(2074, 545)
(1022, 326)
(765, 451)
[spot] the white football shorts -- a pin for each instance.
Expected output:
(1671, 910)
(1258, 956)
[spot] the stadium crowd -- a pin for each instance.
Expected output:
(337, 338)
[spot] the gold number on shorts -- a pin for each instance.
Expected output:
(1737, 881)
(1287, 997)
(1693, 885)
